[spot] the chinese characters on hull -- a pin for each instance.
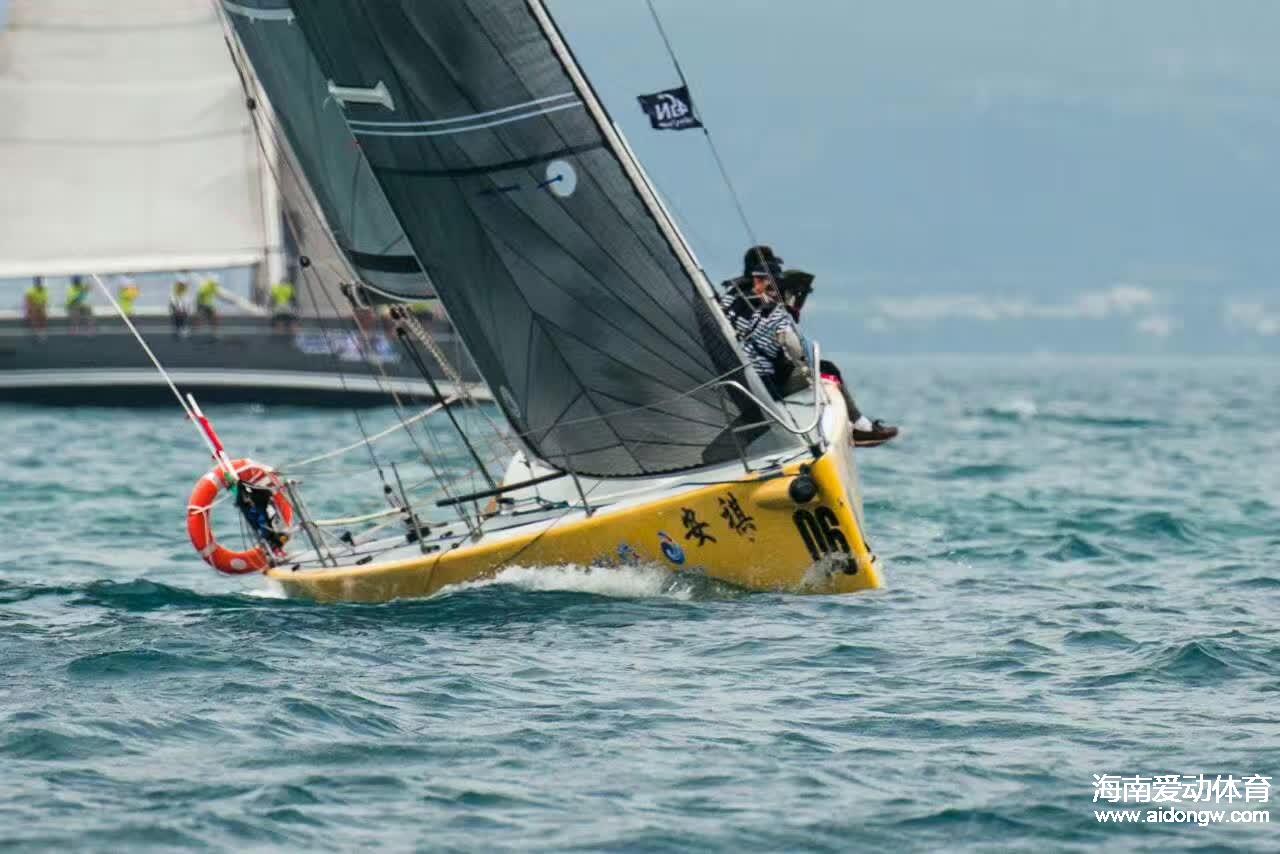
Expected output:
(741, 523)
(694, 529)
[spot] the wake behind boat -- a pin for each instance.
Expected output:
(640, 430)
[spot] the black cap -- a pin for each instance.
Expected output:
(757, 256)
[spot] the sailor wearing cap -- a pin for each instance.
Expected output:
(764, 307)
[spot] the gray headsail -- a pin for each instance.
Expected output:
(579, 303)
(362, 223)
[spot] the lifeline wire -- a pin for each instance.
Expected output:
(142, 341)
(163, 373)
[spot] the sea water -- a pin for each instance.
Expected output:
(1082, 580)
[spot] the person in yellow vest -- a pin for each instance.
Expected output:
(79, 312)
(36, 307)
(127, 295)
(206, 303)
(284, 317)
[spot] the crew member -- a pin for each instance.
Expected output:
(782, 344)
(35, 307)
(79, 312)
(768, 331)
(206, 303)
(180, 308)
(284, 318)
(128, 295)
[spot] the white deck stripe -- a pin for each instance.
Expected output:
(258, 14)
(436, 122)
(451, 131)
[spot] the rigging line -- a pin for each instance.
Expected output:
(328, 455)
(317, 284)
(286, 215)
(706, 131)
(464, 391)
(400, 409)
(188, 408)
(386, 383)
(146, 349)
(419, 331)
(407, 342)
(537, 537)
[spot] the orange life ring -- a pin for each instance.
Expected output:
(200, 526)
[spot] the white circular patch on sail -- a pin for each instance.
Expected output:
(562, 178)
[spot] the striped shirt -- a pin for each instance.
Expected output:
(739, 311)
(759, 333)
(763, 341)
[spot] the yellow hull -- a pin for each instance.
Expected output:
(748, 533)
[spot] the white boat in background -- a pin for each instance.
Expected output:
(127, 147)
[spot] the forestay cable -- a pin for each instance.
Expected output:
(706, 131)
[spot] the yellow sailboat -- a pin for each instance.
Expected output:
(792, 525)
(642, 432)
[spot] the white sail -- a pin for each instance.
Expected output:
(125, 144)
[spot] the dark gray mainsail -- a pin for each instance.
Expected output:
(356, 211)
(579, 302)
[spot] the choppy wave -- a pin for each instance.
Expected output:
(1022, 409)
(1079, 583)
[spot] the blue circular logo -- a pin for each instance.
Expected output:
(671, 548)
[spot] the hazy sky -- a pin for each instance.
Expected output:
(1007, 174)
(987, 174)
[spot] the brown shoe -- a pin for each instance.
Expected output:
(877, 435)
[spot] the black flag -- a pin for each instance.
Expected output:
(670, 110)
